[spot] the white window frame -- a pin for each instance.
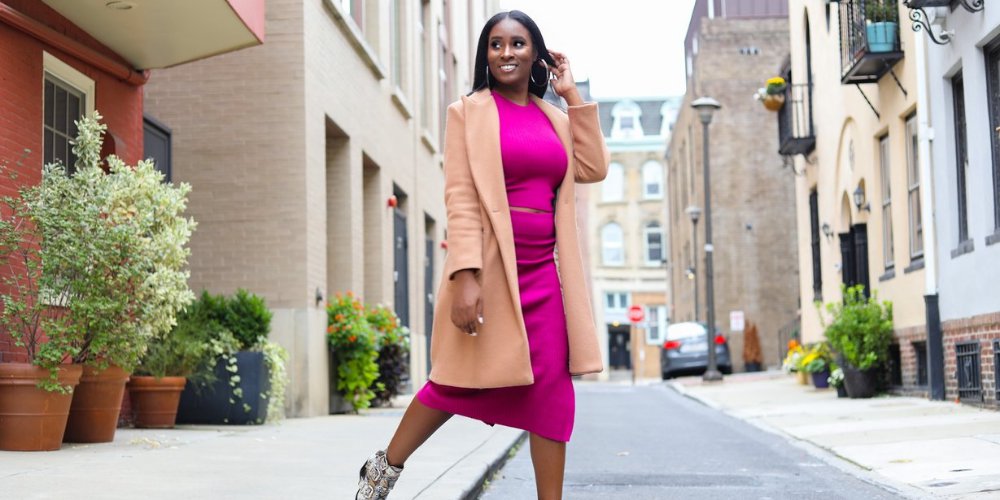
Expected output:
(648, 230)
(652, 175)
(656, 324)
(885, 167)
(620, 301)
(609, 245)
(613, 186)
(913, 190)
(53, 66)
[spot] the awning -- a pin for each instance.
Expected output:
(152, 34)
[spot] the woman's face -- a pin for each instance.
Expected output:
(510, 53)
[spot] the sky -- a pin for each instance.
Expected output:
(628, 48)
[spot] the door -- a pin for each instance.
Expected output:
(400, 274)
(854, 256)
(619, 348)
(429, 295)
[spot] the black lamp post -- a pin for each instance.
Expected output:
(706, 106)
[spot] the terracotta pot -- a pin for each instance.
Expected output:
(31, 418)
(154, 401)
(774, 102)
(97, 401)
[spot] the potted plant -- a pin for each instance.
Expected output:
(752, 356)
(393, 343)
(793, 361)
(242, 379)
(881, 24)
(817, 362)
(773, 93)
(36, 389)
(354, 354)
(155, 388)
(836, 380)
(861, 331)
(121, 268)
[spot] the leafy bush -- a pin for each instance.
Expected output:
(248, 318)
(861, 327)
(393, 344)
(355, 350)
(881, 10)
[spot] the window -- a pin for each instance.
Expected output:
(616, 301)
(612, 244)
(913, 189)
(814, 227)
(613, 187)
(888, 249)
(992, 52)
(156, 145)
(354, 9)
(625, 115)
(653, 238)
(652, 180)
(397, 35)
(656, 324)
(425, 64)
(961, 155)
(67, 97)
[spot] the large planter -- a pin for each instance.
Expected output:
(881, 36)
(155, 400)
(211, 404)
(33, 419)
(338, 404)
(860, 383)
(820, 380)
(93, 417)
(841, 391)
(752, 367)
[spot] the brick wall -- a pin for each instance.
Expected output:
(905, 337)
(982, 329)
(21, 103)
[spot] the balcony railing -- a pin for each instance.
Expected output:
(795, 125)
(869, 39)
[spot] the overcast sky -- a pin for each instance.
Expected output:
(628, 48)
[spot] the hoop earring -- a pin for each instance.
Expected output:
(487, 75)
(531, 76)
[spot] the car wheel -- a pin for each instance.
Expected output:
(665, 375)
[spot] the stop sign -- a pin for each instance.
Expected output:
(636, 314)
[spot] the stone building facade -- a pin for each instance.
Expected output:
(316, 165)
(729, 54)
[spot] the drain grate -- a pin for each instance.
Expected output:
(970, 385)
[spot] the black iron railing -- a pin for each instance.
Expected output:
(795, 124)
(996, 371)
(869, 39)
(970, 386)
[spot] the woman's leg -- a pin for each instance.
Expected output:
(549, 459)
(419, 422)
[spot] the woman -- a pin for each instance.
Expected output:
(510, 327)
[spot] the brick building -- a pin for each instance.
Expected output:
(294, 151)
(625, 219)
(731, 48)
(62, 59)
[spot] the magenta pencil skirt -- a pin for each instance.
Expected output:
(546, 407)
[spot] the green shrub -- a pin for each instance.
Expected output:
(248, 318)
(355, 350)
(393, 343)
(860, 328)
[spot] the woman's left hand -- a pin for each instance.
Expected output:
(563, 85)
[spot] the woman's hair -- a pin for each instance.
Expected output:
(538, 72)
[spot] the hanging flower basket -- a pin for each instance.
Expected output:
(773, 95)
(774, 102)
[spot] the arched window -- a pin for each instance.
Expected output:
(613, 187)
(612, 245)
(653, 242)
(652, 180)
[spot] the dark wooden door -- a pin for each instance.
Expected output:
(619, 348)
(429, 296)
(400, 274)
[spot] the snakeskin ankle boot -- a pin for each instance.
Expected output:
(377, 478)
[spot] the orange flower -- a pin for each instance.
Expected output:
(352, 338)
(350, 294)
(330, 329)
(339, 317)
(792, 344)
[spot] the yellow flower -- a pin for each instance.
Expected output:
(776, 81)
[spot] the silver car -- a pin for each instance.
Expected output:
(684, 352)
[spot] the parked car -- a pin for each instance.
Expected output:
(685, 352)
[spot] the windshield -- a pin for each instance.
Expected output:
(685, 330)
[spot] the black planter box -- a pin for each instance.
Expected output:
(337, 402)
(210, 404)
(860, 383)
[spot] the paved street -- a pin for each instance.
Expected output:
(648, 442)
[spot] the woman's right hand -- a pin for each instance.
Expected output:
(467, 302)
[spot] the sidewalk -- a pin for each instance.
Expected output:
(298, 458)
(917, 447)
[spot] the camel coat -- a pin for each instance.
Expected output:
(480, 237)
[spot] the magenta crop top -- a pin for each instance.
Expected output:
(534, 159)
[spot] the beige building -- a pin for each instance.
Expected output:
(316, 165)
(730, 53)
(858, 190)
(625, 219)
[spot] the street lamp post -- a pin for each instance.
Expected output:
(706, 106)
(694, 212)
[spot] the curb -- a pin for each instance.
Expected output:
(827, 455)
(467, 477)
(494, 468)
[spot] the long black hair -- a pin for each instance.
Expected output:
(538, 72)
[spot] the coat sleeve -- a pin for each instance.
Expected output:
(461, 200)
(590, 154)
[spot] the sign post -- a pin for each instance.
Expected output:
(635, 316)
